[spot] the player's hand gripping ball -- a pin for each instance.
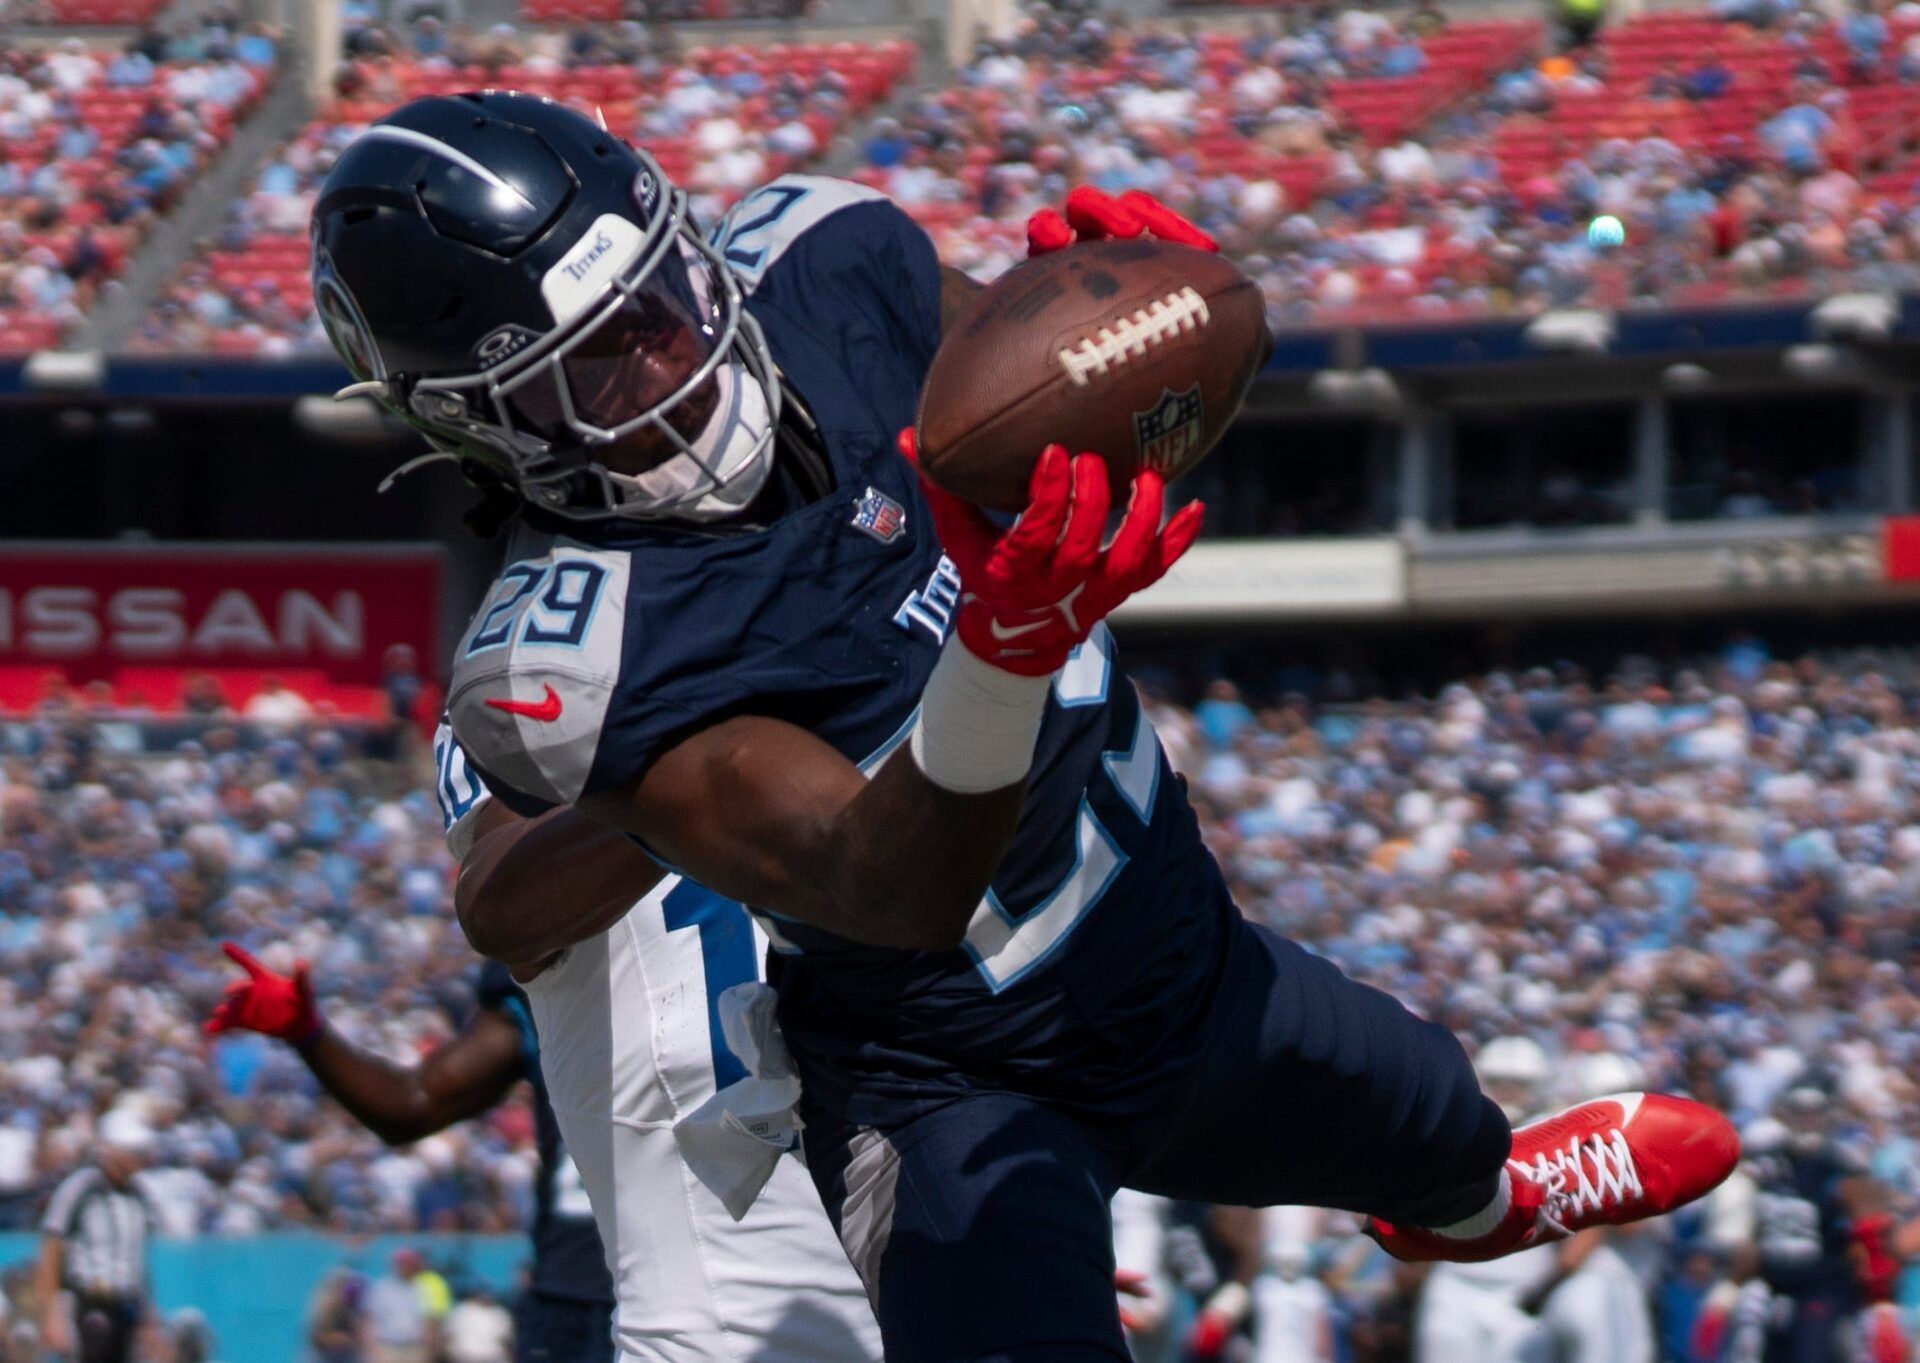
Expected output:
(1094, 215)
(1141, 347)
(266, 1002)
(1031, 593)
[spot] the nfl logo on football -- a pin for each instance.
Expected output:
(1170, 430)
(880, 516)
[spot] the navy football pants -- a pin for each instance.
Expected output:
(981, 1229)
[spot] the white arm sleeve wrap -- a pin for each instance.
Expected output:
(977, 724)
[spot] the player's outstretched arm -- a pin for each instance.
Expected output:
(764, 812)
(398, 1103)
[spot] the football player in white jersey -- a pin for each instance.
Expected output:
(1472, 1313)
(1293, 1312)
(1595, 1309)
(672, 1091)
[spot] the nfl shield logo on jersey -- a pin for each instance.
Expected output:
(1170, 430)
(880, 516)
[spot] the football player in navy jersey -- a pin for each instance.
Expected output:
(735, 628)
(567, 1314)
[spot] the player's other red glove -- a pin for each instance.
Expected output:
(1032, 593)
(1217, 1321)
(274, 1005)
(1094, 215)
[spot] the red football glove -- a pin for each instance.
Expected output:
(1217, 1321)
(275, 1005)
(1032, 593)
(1209, 1335)
(1094, 215)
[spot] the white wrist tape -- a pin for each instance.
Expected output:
(1231, 1303)
(977, 724)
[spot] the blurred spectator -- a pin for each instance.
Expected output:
(201, 695)
(1744, 500)
(1865, 33)
(1706, 79)
(479, 1330)
(336, 1324)
(17, 1176)
(1222, 715)
(278, 705)
(190, 1338)
(404, 1311)
(1581, 19)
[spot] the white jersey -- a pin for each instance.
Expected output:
(1470, 1313)
(1600, 1315)
(1292, 1320)
(631, 1046)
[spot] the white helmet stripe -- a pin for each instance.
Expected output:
(386, 132)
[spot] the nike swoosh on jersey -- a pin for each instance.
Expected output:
(543, 711)
(1005, 632)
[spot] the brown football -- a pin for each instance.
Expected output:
(1137, 350)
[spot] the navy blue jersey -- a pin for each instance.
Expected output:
(1803, 1229)
(568, 1261)
(1079, 966)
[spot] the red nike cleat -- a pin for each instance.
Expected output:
(1604, 1162)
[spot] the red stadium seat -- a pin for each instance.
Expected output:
(130, 12)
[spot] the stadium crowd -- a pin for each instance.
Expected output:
(97, 144)
(1703, 880)
(1270, 134)
(721, 120)
(117, 876)
(1366, 164)
(1253, 136)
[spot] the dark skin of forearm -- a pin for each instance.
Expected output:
(763, 812)
(759, 811)
(1239, 1231)
(400, 1104)
(531, 888)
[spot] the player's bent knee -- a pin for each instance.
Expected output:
(1457, 1139)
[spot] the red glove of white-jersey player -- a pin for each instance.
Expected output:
(1032, 593)
(275, 1005)
(1094, 215)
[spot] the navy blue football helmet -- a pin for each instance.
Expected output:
(528, 291)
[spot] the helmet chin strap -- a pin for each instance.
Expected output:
(724, 473)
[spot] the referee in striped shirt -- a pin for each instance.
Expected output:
(93, 1244)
